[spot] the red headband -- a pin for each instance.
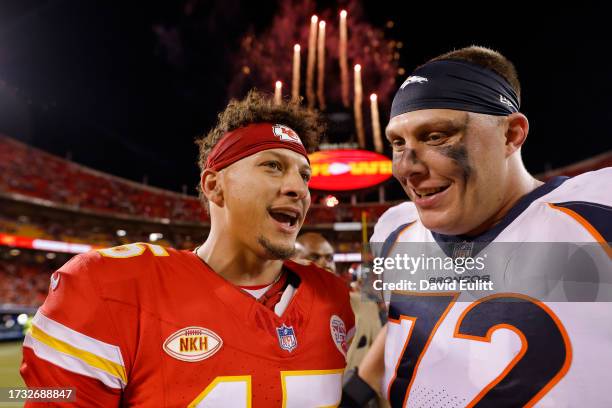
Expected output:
(248, 140)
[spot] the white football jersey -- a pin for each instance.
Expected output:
(542, 338)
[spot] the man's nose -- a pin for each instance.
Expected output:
(409, 165)
(294, 185)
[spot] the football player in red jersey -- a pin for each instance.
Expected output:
(232, 323)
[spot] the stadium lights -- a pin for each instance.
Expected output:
(50, 255)
(347, 226)
(331, 201)
(43, 245)
(22, 319)
(348, 257)
(155, 236)
(121, 233)
(59, 246)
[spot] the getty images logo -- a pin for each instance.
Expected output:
(413, 80)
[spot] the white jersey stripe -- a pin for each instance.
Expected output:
(93, 360)
(71, 363)
(81, 341)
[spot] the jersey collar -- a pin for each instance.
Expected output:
(244, 305)
(515, 211)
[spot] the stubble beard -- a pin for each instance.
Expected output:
(276, 251)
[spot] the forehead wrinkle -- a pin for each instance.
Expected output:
(459, 124)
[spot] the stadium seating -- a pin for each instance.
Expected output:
(34, 173)
(24, 277)
(47, 197)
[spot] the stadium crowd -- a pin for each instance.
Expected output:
(103, 210)
(31, 172)
(24, 276)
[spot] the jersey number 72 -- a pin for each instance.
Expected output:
(543, 359)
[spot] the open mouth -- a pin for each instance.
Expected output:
(288, 218)
(428, 192)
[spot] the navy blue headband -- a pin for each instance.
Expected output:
(458, 85)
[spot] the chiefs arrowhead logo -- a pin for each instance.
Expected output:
(285, 133)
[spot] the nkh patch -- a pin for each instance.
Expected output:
(338, 333)
(286, 338)
(285, 133)
(192, 344)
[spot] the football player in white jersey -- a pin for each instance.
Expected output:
(456, 131)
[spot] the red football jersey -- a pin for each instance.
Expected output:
(141, 325)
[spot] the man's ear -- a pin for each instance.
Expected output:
(516, 133)
(210, 183)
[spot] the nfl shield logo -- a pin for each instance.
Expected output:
(286, 338)
(463, 250)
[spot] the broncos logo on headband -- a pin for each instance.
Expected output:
(413, 79)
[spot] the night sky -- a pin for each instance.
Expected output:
(97, 79)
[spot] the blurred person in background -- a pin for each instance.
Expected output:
(315, 248)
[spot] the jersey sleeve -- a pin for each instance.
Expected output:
(392, 221)
(73, 341)
(349, 318)
(342, 294)
(338, 294)
(586, 200)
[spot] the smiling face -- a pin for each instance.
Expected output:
(317, 249)
(265, 200)
(452, 165)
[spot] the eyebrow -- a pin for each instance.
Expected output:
(453, 124)
(284, 158)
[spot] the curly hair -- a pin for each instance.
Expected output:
(257, 107)
(487, 58)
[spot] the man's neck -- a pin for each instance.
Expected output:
(517, 190)
(236, 264)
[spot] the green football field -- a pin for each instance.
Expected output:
(10, 359)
